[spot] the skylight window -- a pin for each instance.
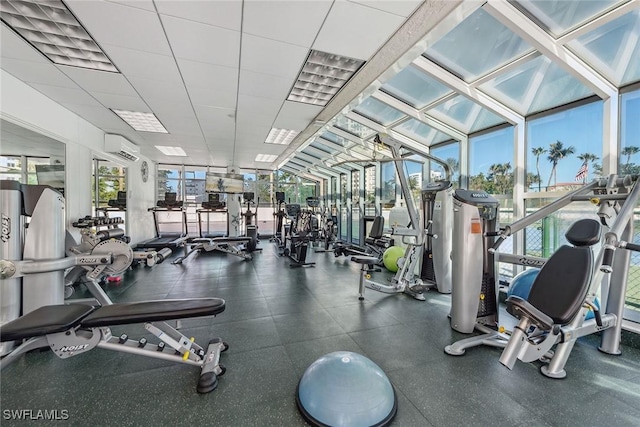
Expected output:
(281, 136)
(143, 122)
(266, 158)
(171, 151)
(322, 76)
(52, 29)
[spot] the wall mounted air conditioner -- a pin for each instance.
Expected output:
(121, 146)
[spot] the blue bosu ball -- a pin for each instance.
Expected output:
(346, 389)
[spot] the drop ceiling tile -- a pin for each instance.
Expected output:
(120, 25)
(353, 22)
(397, 7)
(36, 72)
(147, 65)
(296, 115)
(98, 81)
(254, 104)
(170, 95)
(221, 13)
(63, 95)
(203, 43)
(14, 46)
(140, 4)
(264, 85)
(210, 84)
(254, 122)
(271, 57)
(98, 116)
(294, 22)
(120, 102)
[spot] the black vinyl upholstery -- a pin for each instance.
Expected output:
(377, 228)
(49, 319)
(585, 232)
(152, 311)
(561, 286)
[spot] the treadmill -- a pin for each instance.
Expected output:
(170, 206)
(212, 206)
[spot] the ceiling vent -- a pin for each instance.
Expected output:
(120, 146)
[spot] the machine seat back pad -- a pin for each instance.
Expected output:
(152, 311)
(49, 319)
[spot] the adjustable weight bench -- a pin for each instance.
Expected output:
(230, 245)
(77, 328)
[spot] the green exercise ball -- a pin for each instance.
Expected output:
(391, 256)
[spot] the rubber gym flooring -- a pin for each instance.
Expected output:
(277, 321)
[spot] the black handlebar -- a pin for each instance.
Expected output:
(632, 247)
(607, 259)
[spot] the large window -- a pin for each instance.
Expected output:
(370, 190)
(107, 179)
(23, 169)
(491, 162)
(629, 159)
(169, 181)
(355, 206)
(450, 153)
(565, 148)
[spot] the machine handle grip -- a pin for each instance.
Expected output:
(493, 233)
(501, 238)
(632, 247)
(607, 259)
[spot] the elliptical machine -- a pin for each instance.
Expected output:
(280, 215)
(250, 222)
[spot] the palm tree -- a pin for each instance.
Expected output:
(557, 152)
(629, 151)
(586, 159)
(538, 151)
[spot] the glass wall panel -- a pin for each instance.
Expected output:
(450, 153)
(565, 148)
(421, 132)
(11, 168)
(378, 111)
(344, 209)
(110, 179)
(630, 163)
(465, 115)
(491, 162)
(557, 17)
(355, 206)
(536, 85)
(415, 88)
(629, 160)
(370, 190)
(613, 49)
(476, 46)
(169, 181)
(352, 127)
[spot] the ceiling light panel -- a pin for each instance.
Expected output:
(266, 158)
(143, 122)
(281, 136)
(322, 76)
(52, 29)
(171, 151)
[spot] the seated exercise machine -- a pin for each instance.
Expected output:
(169, 207)
(375, 243)
(32, 291)
(568, 286)
(405, 280)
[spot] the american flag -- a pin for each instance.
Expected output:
(582, 172)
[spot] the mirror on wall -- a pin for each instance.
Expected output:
(30, 157)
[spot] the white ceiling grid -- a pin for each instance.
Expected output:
(215, 73)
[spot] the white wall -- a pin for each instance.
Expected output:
(23, 105)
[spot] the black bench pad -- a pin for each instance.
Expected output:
(152, 311)
(364, 259)
(49, 319)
